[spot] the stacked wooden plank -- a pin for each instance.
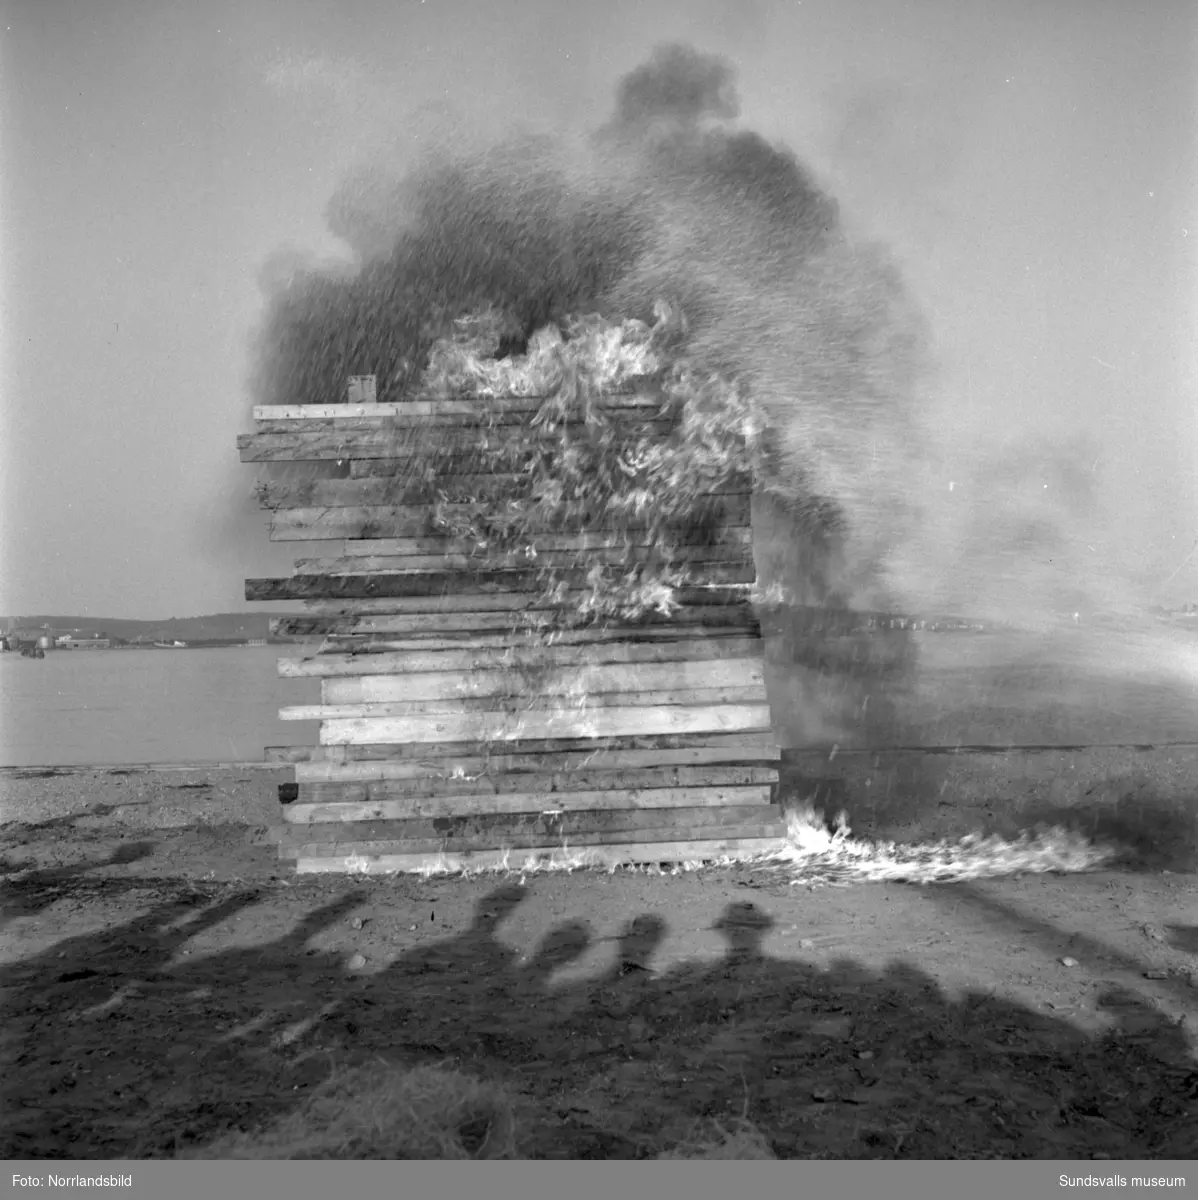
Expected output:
(461, 723)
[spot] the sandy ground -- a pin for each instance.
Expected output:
(166, 983)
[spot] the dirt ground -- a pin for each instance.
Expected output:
(167, 982)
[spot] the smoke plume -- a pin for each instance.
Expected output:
(671, 199)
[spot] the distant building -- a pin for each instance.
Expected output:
(24, 637)
(85, 643)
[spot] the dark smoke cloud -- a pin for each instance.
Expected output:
(539, 231)
(505, 228)
(822, 330)
(669, 199)
(677, 85)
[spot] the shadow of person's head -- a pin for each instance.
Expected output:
(744, 927)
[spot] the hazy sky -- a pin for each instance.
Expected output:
(1033, 165)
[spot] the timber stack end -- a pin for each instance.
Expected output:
(461, 724)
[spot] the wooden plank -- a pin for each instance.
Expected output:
(710, 616)
(404, 491)
(386, 468)
(393, 489)
(290, 848)
(407, 439)
(451, 460)
(734, 553)
(649, 787)
(454, 590)
(549, 680)
(588, 540)
(570, 706)
(490, 829)
(696, 650)
(507, 727)
(429, 547)
(383, 564)
(701, 594)
(401, 424)
(324, 524)
(467, 462)
(479, 581)
(314, 447)
(406, 467)
(487, 829)
(428, 407)
(607, 787)
(401, 522)
(502, 422)
(385, 521)
(510, 602)
(366, 645)
(418, 805)
(754, 739)
(397, 757)
(467, 766)
(534, 858)
(400, 490)
(574, 705)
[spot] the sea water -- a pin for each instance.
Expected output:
(218, 704)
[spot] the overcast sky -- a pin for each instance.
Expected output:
(1032, 164)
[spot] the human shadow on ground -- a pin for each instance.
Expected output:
(108, 1026)
(1052, 941)
(122, 1045)
(38, 888)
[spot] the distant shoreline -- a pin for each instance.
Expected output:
(213, 629)
(198, 644)
(249, 629)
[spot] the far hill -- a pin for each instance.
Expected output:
(185, 629)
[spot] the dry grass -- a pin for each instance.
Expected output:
(712, 1140)
(383, 1111)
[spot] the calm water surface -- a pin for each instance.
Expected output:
(124, 706)
(196, 705)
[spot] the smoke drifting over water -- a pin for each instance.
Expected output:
(670, 199)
